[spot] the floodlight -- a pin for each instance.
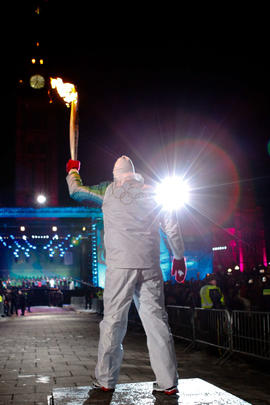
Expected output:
(41, 199)
(172, 193)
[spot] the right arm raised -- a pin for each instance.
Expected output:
(82, 193)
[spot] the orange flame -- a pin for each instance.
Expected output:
(66, 90)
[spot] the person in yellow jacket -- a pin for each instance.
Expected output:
(1, 304)
(99, 294)
(211, 295)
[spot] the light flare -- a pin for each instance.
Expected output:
(172, 193)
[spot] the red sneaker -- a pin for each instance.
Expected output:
(97, 386)
(171, 391)
(168, 391)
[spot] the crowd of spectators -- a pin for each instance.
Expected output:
(17, 295)
(14, 300)
(248, 290)
(63, 283)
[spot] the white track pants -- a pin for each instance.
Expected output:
(146, 287)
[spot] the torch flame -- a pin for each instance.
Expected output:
(66, 90)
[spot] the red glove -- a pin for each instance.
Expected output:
(179, 270)
(73, 164)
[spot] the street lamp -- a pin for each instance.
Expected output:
(41, 199)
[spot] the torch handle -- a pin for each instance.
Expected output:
(74, 130)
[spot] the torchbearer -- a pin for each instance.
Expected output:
(69, 94)
(132, 219)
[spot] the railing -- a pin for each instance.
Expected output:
(212, 327)
(251, 333)
(181, 321)
(243, 332)
(97, 305)
(239, 331)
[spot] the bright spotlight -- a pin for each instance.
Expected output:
(172, 193)
(41, 199)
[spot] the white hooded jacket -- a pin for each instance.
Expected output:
(132, 218)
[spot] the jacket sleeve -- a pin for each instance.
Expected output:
(170, 225)
(82, 193)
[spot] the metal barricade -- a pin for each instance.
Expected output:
(97, 306)
(181, 322)
(77, 302)
(246, 332)
(213, 327)
(251, 333)
(207, 326)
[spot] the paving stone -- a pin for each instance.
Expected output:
(24, 389)
(9, 375)
(5, 399)
(67, 381)
(28, 370)
(44, 388)
(11, 365)
(26, 381)
(28, 398)
(59, 367)
(79, 371)
(61, 373)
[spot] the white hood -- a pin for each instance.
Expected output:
(122, 167)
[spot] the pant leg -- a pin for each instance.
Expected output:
(149, 300)
(117, 297)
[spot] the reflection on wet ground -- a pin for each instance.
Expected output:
(192, 391)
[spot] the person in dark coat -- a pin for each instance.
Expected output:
(14, 301)
(21, 301)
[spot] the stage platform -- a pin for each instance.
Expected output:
(192, 391)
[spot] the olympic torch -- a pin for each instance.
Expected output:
(69, 94)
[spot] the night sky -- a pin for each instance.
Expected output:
(171, 101)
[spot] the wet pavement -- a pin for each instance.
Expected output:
(53, 348)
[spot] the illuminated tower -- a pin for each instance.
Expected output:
(36, 134)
